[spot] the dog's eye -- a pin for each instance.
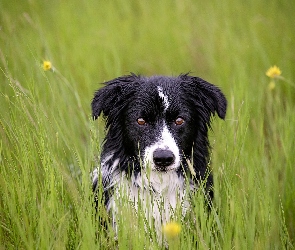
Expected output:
(179, 121)
(141, 121)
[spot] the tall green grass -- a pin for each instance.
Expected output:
(49, 144)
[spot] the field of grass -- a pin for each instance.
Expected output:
(49, 143)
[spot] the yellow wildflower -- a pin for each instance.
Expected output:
(47, 65)
(273, 72)
(172, 229)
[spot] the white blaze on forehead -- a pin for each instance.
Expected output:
(164, 97)
(164, 141)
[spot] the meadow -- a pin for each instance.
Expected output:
(49, 143)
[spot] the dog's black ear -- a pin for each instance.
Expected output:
(112, 95)
(205, 96)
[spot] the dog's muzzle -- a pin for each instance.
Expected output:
(163, 158)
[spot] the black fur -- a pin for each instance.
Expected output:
(123, 100)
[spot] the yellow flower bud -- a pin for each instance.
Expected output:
(46, 65)
(271, 85)
(172, 229)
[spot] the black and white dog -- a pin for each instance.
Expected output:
(156, 148)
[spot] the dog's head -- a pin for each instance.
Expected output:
(158, 120)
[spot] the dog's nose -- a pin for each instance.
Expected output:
(163, 158)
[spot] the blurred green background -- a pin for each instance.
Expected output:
(48, 140)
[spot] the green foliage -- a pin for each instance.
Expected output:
(49, 144)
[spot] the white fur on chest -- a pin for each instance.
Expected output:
(159, 194)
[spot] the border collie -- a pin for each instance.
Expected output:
(156, 147)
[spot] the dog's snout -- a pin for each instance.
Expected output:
(163, 158)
